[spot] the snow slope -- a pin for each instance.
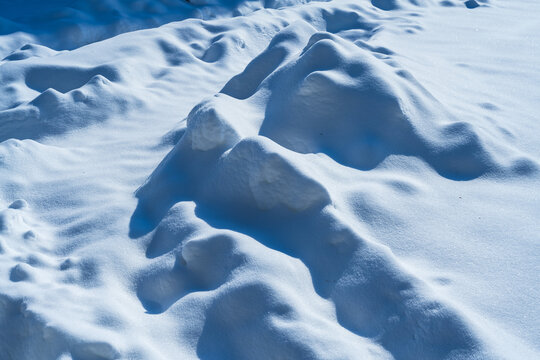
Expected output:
(269, 180)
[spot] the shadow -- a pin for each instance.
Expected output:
(158, 291)
(67, 24)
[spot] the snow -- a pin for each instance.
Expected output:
(269, 179)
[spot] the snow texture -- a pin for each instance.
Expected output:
(277, 179)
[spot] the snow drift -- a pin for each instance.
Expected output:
(266, 180)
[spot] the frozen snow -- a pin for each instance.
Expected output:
(281, 179)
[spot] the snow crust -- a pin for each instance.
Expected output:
(273, 179)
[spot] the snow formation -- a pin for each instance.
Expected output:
(272, 179)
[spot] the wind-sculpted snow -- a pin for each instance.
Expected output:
(356, 105)
(63, 24)
(289, 180)
(45, 92)
(260, 159)
(271, 194)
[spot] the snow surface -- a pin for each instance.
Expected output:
(277, 179)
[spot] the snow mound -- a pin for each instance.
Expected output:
(249, 186)
(316, 200)
(64, 105)
(358, 107)
(246, 290)
(45, 92)
(52, 96)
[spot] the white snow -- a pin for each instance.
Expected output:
(281, 179)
